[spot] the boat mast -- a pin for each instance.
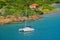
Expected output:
(26, 18)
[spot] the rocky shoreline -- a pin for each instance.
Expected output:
(12, 18)
(19, 18)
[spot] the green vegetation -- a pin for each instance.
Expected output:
(12, 7)
(57, 1)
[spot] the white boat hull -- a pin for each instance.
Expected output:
(27, 29)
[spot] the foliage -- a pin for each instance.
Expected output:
(2, 4)
(19, 6)
(57, 1)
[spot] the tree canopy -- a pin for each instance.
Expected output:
(19, 6)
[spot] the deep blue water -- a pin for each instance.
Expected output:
(47, 28)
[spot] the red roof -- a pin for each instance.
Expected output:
(34, 4)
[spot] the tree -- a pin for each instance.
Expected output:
(19, 6)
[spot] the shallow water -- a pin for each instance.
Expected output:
(47, 28)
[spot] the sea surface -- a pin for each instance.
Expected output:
(47, 28)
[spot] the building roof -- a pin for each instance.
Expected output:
(34, 4)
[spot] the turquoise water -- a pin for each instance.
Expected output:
(47, 28)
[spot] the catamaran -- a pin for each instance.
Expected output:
(26, 28)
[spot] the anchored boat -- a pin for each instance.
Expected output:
(26, 29)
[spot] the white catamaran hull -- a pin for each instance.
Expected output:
(26, 29)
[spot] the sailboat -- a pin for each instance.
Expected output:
(26, 28)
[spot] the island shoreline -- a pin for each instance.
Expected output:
(13, 18)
